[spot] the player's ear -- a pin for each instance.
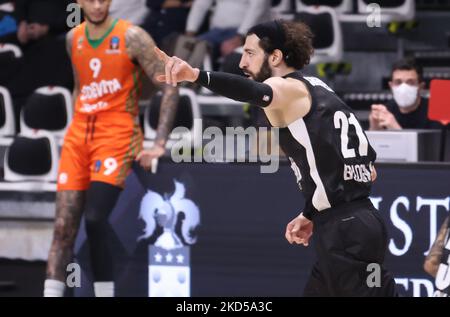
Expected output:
(276, 57)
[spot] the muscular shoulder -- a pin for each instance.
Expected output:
(286, 90)
(141, 49)
(133, 33)
(287, 85)
(138, 41)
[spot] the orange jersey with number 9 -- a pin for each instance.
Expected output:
(104, 136)
(108, 78)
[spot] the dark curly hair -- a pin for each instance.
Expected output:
(297, 47)
(408, 63)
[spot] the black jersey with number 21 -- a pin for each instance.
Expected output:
(329, 151)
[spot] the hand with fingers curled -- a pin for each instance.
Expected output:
(176, 69)
(381, 118)
(299, 230)
(147, 157)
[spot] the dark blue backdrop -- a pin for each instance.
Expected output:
(241, 249)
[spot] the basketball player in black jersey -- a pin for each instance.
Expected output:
(328, 150)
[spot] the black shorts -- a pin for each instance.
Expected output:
(350, 242)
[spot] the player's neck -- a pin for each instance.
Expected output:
(96, 31)
(282, 71)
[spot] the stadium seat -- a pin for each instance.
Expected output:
(340, 6)
(48, 108)
(7, 123)
(10, 55)
(399, 10)
(281, 9)
(32, 157)
(282, 5)
(187, 113)
(12, 49)
(327, 42)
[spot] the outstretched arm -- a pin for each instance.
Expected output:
(225, 84)
(273, 93)
(141, 47)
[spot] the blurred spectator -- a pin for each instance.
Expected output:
(229, 21)
(166, 18)
(41, 31)
(134, 11)
(408, 110)
(37, 18)
(8, 22)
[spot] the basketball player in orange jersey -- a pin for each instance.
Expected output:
(109, 58)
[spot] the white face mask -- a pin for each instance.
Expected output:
(405, 95)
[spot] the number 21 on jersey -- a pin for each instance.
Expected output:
(341, 121)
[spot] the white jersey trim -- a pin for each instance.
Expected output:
(300, 133)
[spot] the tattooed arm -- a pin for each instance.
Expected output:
(76, 86)
(433, 258)
(140, 47)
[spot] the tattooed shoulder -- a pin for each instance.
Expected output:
(140, 47)
(133, 39)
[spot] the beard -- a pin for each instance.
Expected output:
(99, 22)
(265, 72)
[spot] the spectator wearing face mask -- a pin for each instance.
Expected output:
(408, 109)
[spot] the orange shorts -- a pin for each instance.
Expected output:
(99, 147)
